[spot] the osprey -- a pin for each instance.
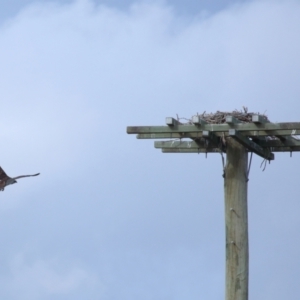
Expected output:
(6, 180)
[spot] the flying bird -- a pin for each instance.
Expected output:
(6, 180)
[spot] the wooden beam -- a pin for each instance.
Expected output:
(217, 150)
(194, 135)
(279, 143)
(286, 149)
(180, 144)
(191, 150)
(269, 128)
(261, 133)
(208, 141)
(250, 145)
(175, 135)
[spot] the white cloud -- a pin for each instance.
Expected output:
(39, 279)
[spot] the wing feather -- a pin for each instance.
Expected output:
(3, 174)
(22, 176)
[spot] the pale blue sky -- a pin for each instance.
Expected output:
(189, 7)
(110, 217)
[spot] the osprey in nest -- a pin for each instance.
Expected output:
(6, 180)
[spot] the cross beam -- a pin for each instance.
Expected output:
(250, 129)
(186, 149)
(260, 136)
(250, 145)
(274, 145)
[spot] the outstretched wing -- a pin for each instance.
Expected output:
(3, 174)
(22, 176)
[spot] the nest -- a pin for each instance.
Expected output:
(220, 116)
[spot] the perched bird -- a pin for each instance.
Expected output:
(6, 180)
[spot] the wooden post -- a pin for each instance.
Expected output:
(236, 219)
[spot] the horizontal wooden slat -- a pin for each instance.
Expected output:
(180, 144)
(194, 135)
(200, 150)
(270, 128)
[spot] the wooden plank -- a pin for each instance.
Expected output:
(286, 149)
(250, 145)
(162, 129)
(198, 134)
(191, 150)
(174, 135)
(259, 133)
(180, 144)
(276, 146)
(288, 128)
(217, 150)
(279, 143)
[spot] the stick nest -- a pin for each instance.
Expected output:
(220, 116)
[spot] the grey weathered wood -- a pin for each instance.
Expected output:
(196, 134)
(217, 150)
(290, 128)
(290, 142)
(193, 150)
(275, 145)
(194, 146)
(181, 144)
(250, 145)
(174, 135)
(172, 122)
(236, 219)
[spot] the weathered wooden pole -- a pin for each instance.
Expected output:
(236, 219)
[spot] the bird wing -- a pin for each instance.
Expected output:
(3, 174)
(21, 176)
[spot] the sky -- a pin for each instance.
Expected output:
(111, 217)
